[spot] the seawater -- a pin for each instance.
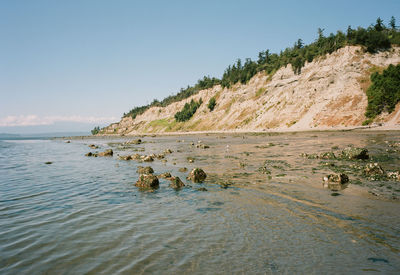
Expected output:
(83, 215)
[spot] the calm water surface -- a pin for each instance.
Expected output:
(84, 215)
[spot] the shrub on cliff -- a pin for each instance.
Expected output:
(211, 104)
(188, 110)
(384, 92)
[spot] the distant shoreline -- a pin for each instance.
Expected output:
(230, 132)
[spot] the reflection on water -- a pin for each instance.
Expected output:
(84, 215)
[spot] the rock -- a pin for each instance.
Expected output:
(202, 146)
(93, 146)
(145, 170)
(372, 169)
(128, 157)
(264, 170)
(202, 189)
(335, 182)
(165, 175)
(190, 159)
(182, 170)
(106, 153)
(68, 141)
(90, 154)
(224, 185)
(176, 183)
(148, 158)
(135, 156)
(197, 175)
(355, 153)
(168, 151)
(160, 156)
(394, 175)
(48, 162)
(309, 156)
(327, 155)
(135, 141)
(147, 181)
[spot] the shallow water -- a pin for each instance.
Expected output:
(84, 215)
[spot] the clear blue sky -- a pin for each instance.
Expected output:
(94, 60)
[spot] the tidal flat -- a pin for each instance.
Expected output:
(263, 207)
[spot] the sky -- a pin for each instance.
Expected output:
(84, 63)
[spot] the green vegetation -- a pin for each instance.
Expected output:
(211, 104)
(95, 130)
(384, 92)
(205, 83)
(376, 37)
(188, 110)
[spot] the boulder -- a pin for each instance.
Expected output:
(176, 183)
(106, 153)
(90, 154)
(352, 153)
(335, 182)
(372, 169)
(145, 170)
(147, 181)
(197, 175)
(93, 146)
(168, 151)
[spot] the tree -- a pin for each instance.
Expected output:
(392, 23)
(379, 25)
(95, 130)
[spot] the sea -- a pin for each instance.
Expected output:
(62, 212)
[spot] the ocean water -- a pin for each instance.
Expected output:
(82, 215)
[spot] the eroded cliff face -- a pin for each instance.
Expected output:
(329, 93)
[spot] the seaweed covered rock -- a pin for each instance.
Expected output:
(176, 183)
(147, 181)
(373, 169)
(353, 153)
(335, 182)
(327, 155)
(106, 153)
(197, 175)
(145, 170)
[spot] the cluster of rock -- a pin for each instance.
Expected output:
(349, 153)
(148, 180)
(106, 153)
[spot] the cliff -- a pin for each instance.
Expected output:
(328, 94)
